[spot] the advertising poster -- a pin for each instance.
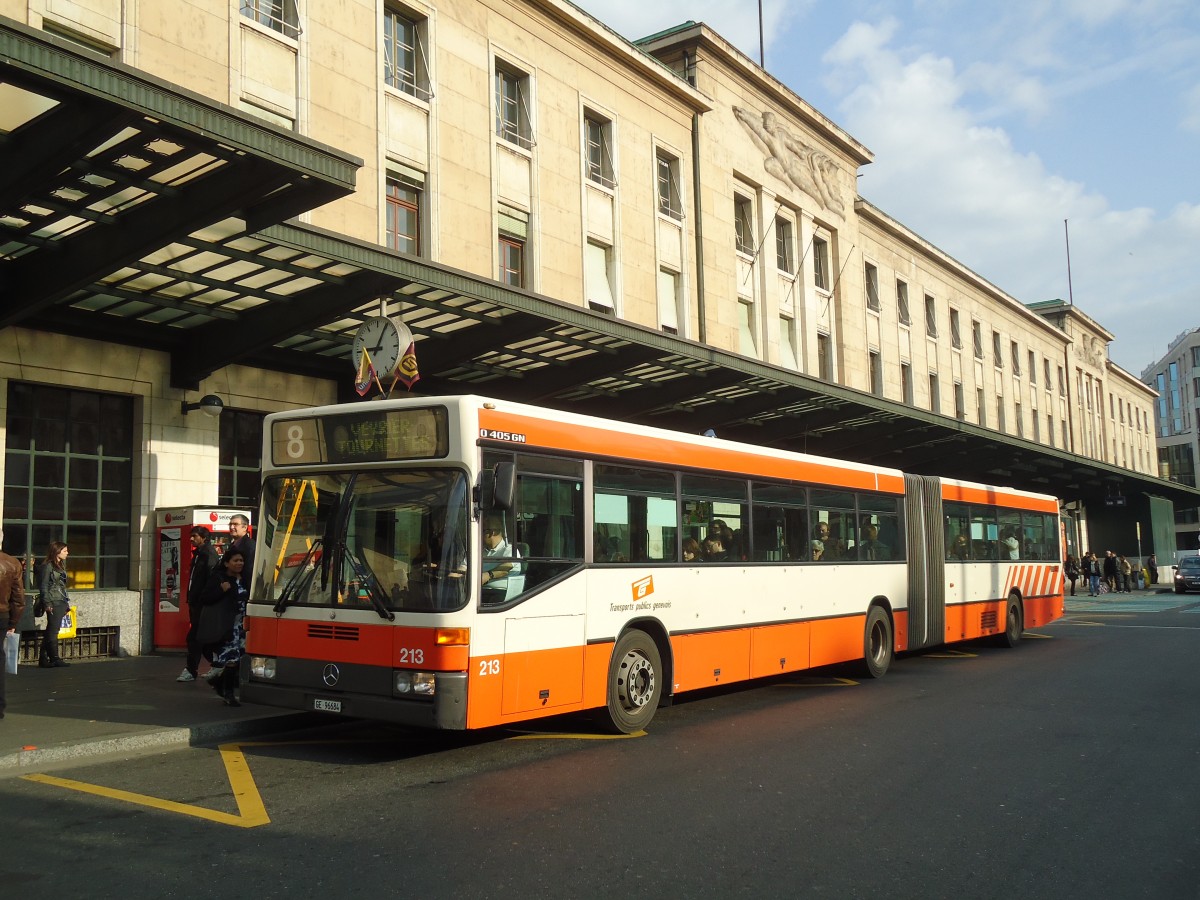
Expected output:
(168, 570)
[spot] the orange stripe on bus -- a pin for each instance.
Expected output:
(391, 646)
(587, 439)
(997, 497)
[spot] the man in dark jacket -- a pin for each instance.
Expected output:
(12, 604)
(204, 561)
(1110, 570)
(240, 540)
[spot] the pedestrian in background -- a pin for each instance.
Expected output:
(12, 604)
(240, 540)
(1125, 574)
(204, 562)
(1091, 566)
(1071, 569)
(1152, 569)
(52, 590)
(1110, 570)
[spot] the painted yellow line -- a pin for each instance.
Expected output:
(557, 736)
(1033, 635)
(251, 811)
(1087, 624)
(949, 654)
(836, 682)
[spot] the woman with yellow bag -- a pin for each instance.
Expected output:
(52, 594)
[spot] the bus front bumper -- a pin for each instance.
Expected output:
(447, 709)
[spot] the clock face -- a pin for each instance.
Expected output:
(381, 338)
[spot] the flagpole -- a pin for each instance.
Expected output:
(762, 54)
(1070, 291)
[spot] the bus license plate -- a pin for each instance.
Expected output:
(328, 705)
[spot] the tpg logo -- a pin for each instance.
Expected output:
(643, 588)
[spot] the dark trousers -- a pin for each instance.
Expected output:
(196, 651)
(49, 652)
(1073, 580)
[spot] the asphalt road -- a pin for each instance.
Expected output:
(1066, 768)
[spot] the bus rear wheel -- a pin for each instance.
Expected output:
(877, 643)
(1014, 623)
(634, 682)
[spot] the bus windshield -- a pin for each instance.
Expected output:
(385, 540)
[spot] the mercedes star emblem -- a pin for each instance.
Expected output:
(330, 674)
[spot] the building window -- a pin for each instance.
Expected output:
(825, 357)
(977, 338)
(669, 202)
(1016, 359)
(747, 327)
(1037, 427)
(278, 15)
(1062, 383)
(785, 259)
(820, 249)
(997, 354)
(69, 477)
(240, 458)
(935, 394)
(598, 277)
(1046, 374)
(1000, 412)
(742, 225)
(1050, 428)
(1019, 419)
(598, 134)
(513, 121)
(906, 382)
(931, 328)
(1032, 367)
(871, 276)
(960, 402)
(955, 330)
(403, 215)
(668, 300)
(875, 364)
(902, 303)
(982, 407)
(787, 343)
(405, 67)
(512, 261)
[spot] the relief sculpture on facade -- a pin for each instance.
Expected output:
(790, 159)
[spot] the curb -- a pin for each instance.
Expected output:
(24, 761)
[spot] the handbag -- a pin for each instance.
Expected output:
(39, 607)
(216, 621)
(12, 652)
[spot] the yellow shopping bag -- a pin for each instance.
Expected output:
(67, 628)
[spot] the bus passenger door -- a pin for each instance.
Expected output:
(543, 663)
(926, 561)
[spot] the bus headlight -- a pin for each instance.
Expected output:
(262, 667)
(422, 684)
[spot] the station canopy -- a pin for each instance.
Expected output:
(137, 212)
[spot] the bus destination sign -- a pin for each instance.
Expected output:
(374, 436)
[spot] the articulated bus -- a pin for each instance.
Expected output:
(459, 563)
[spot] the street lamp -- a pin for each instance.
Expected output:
(209, 404)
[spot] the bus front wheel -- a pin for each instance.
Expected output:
(634, 682)
(877, 643)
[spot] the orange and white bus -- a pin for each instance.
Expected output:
(460, 562)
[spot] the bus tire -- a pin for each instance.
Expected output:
(878, 646)
(1014, 622)
(634, 682)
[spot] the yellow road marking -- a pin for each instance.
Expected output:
(251, 811)
(1086, 623)
(949, 654)
(837, 682)
(1034, 635)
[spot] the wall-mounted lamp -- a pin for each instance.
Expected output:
(209, 404)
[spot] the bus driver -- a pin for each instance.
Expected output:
(499, 559)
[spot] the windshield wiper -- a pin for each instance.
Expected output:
(366, 578)
(294, 583)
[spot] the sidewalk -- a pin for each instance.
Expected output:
(119, 706)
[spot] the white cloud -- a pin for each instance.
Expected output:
(964, 186)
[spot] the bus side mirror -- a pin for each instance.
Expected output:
(504, 485)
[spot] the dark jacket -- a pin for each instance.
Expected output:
(1110, 567)
(12, 592)
(52, 585)
(204, 562)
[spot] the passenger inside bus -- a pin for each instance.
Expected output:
(501, 576)
(691, 550)
(960, 548)
(871, 547)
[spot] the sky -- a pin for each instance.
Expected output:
(993, 123)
